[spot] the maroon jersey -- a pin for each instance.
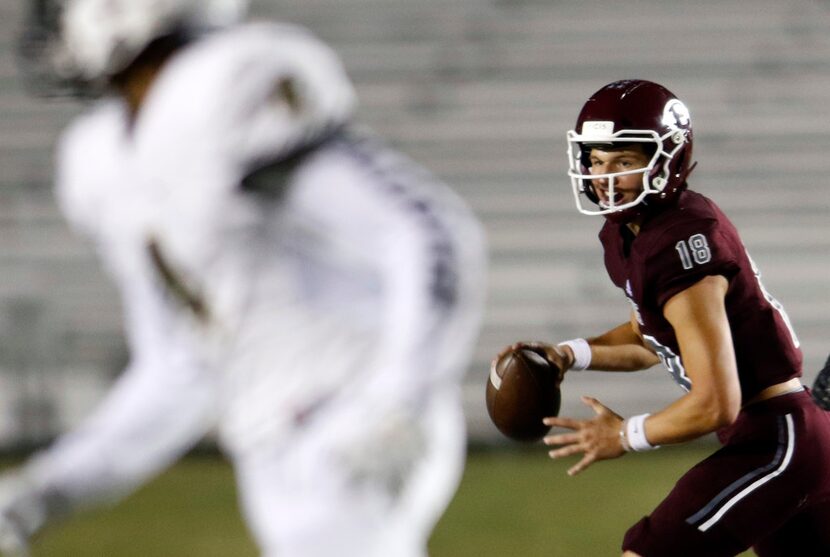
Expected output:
(675, 249)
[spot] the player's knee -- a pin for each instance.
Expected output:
(630, 554)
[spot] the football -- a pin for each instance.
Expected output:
(523, 388)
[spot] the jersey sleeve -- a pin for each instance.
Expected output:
(687, 252)
(265, 92)
(71, 202)
(85, 159)
(241, 120)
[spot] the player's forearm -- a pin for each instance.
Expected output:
(620, 349)
(145, 422)
(619, 335)
(624, 357)
(434, 300)
(688, 418)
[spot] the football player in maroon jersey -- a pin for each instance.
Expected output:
(698, 307)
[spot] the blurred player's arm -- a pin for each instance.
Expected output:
(433, 276)
(428, 259)
(160, 406)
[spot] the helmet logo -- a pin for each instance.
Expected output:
(597, 128)
(675, 115)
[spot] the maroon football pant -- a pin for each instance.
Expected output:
(768, 488)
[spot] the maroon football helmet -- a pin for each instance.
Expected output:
(624, 113)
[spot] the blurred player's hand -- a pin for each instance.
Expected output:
(22, 513)
(13, 542)
(386, 450)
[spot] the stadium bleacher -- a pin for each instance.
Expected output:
(481, 92)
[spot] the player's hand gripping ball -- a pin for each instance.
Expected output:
(522, 389)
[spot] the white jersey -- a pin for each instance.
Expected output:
(269, 288)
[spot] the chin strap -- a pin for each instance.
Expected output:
(688, 171)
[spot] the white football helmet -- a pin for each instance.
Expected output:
(91, 40)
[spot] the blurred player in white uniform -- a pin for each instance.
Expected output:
(307, 292)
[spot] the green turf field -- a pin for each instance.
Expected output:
(510, 503)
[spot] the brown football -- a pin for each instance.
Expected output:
(522, 389)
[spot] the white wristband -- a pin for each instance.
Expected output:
(582, 353)
(635, 434)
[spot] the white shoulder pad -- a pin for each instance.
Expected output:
(254, 92)
(88, 163)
